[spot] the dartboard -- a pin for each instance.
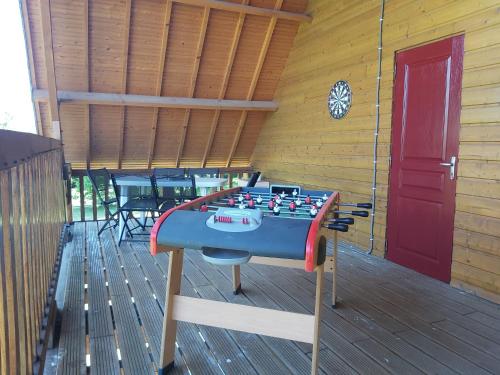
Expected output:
(339, 100)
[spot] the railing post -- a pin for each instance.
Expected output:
(94, 205)
(82, 198)
(67, 184)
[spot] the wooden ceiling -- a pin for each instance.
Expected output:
(149, 83)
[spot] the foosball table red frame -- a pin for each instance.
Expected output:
(275, 323)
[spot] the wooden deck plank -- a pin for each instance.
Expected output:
(405, 315)
(288, 356)
(393, 362)
(103, 354)
(193, 349)
(470, 337)
(441, 353)
(487, 320)
(134, 355)
(427, 285)
(72, 341)
(389, 320)
(350, 354)
(103, 357)
(149, 310)
(369, 326)
(99, 313)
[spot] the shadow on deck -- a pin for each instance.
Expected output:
(389, 320)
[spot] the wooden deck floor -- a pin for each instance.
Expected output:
(390, 319)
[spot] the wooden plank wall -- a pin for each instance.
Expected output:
(31, 218)
(301, 144)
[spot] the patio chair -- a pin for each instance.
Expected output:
(204, 172)
(137, 201)
(253, 180)
(101, 182)
(172, 189)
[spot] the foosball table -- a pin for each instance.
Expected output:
(281, 226)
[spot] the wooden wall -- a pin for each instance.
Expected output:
(301, 144)
(31, 219)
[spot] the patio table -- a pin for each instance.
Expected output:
(205, 184)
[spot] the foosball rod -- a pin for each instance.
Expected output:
(267, 212)
(353, 213)
(357, 205)
(288, 196)
(304, 207)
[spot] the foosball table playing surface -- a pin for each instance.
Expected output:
(282, 226)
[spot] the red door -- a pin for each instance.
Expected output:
(425, 127)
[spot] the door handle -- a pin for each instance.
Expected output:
(451, 165)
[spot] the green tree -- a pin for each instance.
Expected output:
(5, 119)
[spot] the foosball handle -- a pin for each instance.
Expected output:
(364, 205)
(360, 213)
(339, 227)
(342, 220)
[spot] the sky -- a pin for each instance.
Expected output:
(15, 91)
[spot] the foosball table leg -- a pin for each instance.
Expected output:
(236, 279)
(334, 271)
(169, 324)
(317, 318)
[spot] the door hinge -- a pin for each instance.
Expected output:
(390, 161)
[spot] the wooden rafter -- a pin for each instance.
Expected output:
(86, 69)
(239, 8)
(159, 79)
(253, 82)
(194, 77)
(31, 63)
(126, 42)
(102, 98)
(49, 66)
(225, 81)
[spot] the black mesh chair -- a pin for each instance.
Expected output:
(253, 180)
(204, 172)
(138, 199)
(171, 189)
(107, 195)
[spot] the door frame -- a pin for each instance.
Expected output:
(457, 47)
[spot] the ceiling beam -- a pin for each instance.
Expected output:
(248, 9)
(49, 67)
(156, 101)
(31, 63)
(222, 92)
(159, 78)
(86, 119)
(123, 113)
(253, 82)
(194, 78)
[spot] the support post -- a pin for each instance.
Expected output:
(169, 324)
(317, 318)
(334, 270)
(236, 279)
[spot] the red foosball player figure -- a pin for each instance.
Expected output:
(251, 203)
(271, 204)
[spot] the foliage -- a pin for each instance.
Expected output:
(75, 188)
(5, 119)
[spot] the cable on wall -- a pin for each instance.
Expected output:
(377, 126)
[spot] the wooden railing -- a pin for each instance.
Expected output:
(32, 214)
(86, 207)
